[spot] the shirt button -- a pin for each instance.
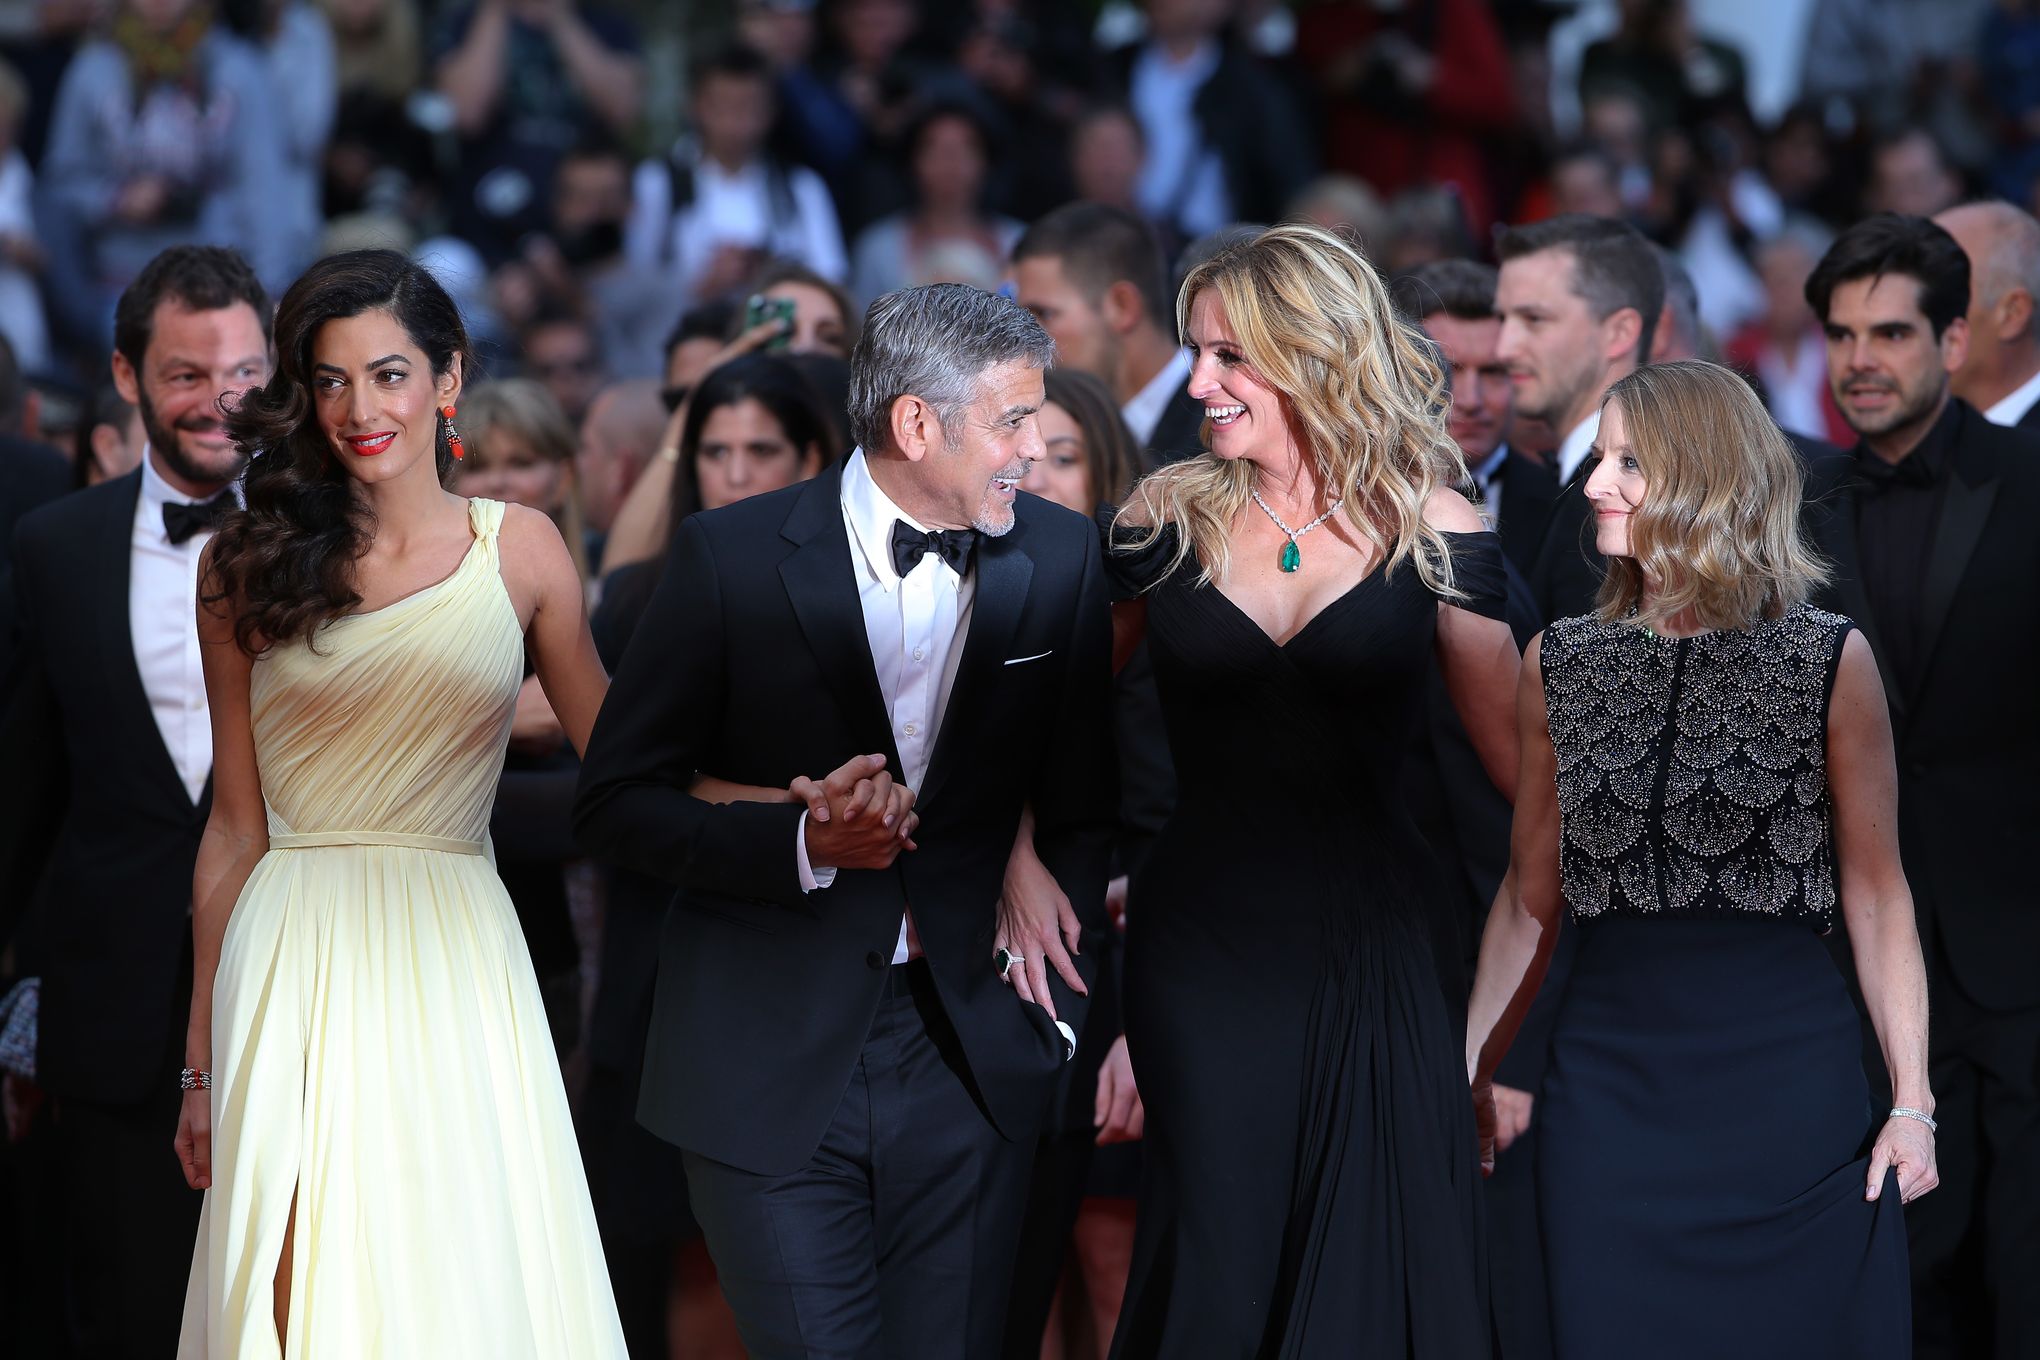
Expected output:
(910, 729)
(874, 960)
(919, 652)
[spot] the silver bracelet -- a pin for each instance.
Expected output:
(1907, 1112)
(193, 1079)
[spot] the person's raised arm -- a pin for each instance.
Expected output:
(612, 82)
(643, 525)
(236, 837)
(1877, 908)
(471, 75)
(1515, 949)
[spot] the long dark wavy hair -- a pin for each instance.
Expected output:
(288, 561)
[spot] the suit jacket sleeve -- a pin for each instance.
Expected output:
(657, 729)
(1567, 578)
(1075, 793)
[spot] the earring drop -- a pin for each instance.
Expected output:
(452, 435)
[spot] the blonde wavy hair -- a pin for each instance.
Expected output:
(1361, 388)
(1717, 532)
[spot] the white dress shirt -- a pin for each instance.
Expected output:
(1182, 180)
(1144, 412)
(2012, 407)
(1572, 451)
(1487, 478)
(731, 208)
(163, 621)
(915, 625)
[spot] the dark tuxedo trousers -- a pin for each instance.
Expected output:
(786, 1054)
(99, 836)
(1967, 736)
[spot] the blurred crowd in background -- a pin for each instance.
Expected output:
(584, 173)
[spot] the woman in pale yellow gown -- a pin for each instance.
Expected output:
(389, 1163)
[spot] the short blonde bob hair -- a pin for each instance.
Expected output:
(1361, 388)
(1717, 536)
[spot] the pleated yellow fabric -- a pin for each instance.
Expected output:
(380, 1049)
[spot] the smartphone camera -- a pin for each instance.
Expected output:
(761, 309)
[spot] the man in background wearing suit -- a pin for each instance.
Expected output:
(834, 1044)
(1454, 301)
(2001, 375)
(1929, 525)
(1095, 279)
(110, 748)
(1579, 299)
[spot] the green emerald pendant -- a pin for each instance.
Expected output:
(1292, 556)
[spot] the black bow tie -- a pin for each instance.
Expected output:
(181, 520)
(910, 545)
(1877, 475)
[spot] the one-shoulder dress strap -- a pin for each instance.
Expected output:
(1134, 561)
(485, 517)
(1479, 573)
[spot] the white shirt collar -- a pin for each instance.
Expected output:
(2012, 408)
(157, 493)
(1572, 451)
(870, 513)
(1492, 464)
(1144, 412)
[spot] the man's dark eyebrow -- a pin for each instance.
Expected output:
(1015, 412)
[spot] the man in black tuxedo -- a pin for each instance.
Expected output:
(1094, 277)
(109, 780)
(2000, 377)
(1579, 299)
(855, 1091)
(1930, 526)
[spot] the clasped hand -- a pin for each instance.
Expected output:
(858, 818)
(1906, 1146)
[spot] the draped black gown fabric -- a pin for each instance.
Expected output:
(1312, 1184)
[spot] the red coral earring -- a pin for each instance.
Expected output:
(452, 435)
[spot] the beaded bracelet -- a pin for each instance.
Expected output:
(191, 1079)
(1907, 1112)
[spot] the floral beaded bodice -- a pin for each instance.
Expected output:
(1692, 772)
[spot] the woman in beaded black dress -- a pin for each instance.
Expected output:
(1707, 784)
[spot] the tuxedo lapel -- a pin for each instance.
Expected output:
(112, 556)
(1965, 508)
(1833, 518)
(822, 590)
(1004, 572)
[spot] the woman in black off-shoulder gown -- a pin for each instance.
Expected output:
(1312, 1184)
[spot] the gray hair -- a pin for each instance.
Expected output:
(2012, 257)
(935, 343)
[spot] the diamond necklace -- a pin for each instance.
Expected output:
(1292, 556)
